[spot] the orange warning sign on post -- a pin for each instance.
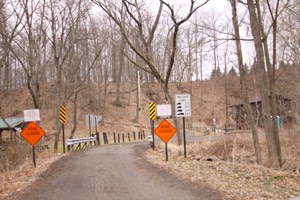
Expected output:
(32, 133)
(165, 131)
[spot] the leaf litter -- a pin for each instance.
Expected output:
(17, 180)
(232, 179)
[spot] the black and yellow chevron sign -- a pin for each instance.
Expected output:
(152, 112)
(62, 114)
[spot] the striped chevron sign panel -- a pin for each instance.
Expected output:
(152, 112)
(62, 114)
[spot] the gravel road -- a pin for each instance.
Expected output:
(111, 172)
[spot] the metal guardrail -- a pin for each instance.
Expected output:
(78, 141)
(86, 142)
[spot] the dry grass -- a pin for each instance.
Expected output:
(17, 176)
(13, 155)
(239, 149)
(233, 170)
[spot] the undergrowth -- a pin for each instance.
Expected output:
(13, 155)
(240, 149)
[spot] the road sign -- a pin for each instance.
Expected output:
(183, 105)
(32, 133)
(164, 110)
(90, 120)
(32, 115)
(152, 112)
(62, 114)
(165, 131)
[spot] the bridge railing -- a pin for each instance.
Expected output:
(80, 142)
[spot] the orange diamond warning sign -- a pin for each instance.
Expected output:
(165, 131)
(32, 133)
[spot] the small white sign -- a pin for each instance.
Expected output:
(163, 110)
(99, 118)
(183, 105)
(91, 120)
(32, 115)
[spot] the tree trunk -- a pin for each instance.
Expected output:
(119, 72)
(74, 115)
(137, 100)
(171, 100)
(264, 85)
(244, 87)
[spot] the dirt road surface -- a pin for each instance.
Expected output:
(111, 172)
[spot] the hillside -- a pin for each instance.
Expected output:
(124, 117)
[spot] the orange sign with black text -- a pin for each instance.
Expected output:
(165, 131)
(32, 133)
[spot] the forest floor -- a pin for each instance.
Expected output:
(228, 165)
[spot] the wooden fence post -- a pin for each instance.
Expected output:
(98, 138)
(115, 138)
(123, 138)
(106, 140)
(128, 137)
(103, 137)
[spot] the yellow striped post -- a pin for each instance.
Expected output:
(152, 112)
(62, 119)
(62, 114)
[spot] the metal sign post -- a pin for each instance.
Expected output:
(165, 132)
(184, 140)
(33, 156)
(32, 133)
(63, 135)
(152, 132)
(166, 145)
(183, 109)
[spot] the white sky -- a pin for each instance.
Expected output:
(222, 11)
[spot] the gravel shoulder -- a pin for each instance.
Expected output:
(112, 172)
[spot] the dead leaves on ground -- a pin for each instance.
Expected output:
(239, 181)
(25, 175)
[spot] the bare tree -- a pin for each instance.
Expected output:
(243, 83)
(267, 75)
(146, 33)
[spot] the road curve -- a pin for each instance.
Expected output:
(111, 172)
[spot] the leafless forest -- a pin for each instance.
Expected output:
(80, 47)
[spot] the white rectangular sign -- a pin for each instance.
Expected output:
(163, 110)
(90, 120)
(32, 115)
(183, 105)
